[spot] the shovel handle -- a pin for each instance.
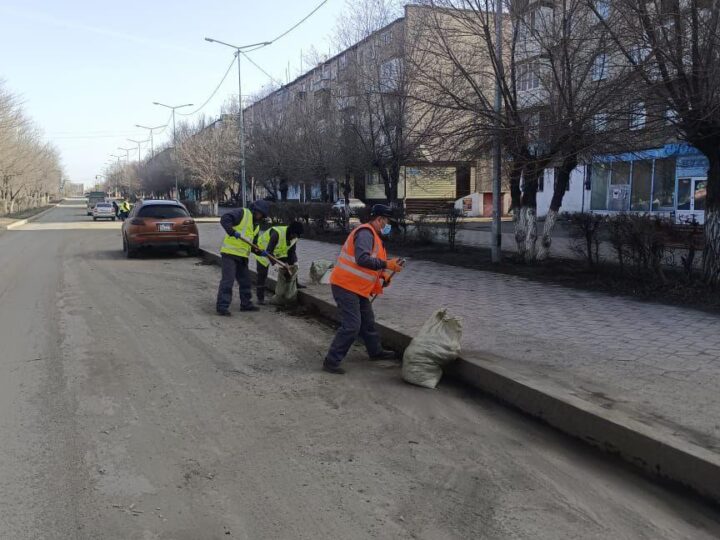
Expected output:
(274, 259)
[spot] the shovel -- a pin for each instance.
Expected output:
(274, 259)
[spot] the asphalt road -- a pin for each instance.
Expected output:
(129, 410)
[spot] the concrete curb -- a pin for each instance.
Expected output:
(25, 221)
(659, 454)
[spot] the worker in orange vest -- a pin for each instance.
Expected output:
(362, 271)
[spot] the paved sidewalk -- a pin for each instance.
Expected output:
(658, 364)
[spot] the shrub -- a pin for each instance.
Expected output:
(586, 231)
(423, 229)
(640, 243)
(316, 216)
(453, 219)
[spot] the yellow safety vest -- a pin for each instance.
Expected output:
(125, 206)
(235, 246)
(282, 249)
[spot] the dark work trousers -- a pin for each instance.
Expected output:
(262, 274)
(234, 268)
(357, 319)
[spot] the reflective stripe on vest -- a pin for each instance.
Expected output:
(351, 276)
(235, 246)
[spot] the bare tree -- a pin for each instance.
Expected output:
(557, 108)
(390, 126)
(209, 153)
(30, 170)
(673, 48)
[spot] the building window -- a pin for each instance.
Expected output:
(639, 53)
(527, 77)
(599, 68)
(603, 8)
(671, 117)
(642, 172)
(600, 181)
(386, 37)
(600, 121)
(637, 116)
(664, 184)
(343, 61)
(390, 74)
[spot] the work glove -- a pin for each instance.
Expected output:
(237, 235)
(394, 266)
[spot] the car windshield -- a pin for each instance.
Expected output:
(162, 211)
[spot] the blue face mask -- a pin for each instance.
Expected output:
(386, 230)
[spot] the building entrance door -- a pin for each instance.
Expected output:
(692, 193)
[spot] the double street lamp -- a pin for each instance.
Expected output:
(138, 144)
(173, 107)
(238, 51)
(151, 129)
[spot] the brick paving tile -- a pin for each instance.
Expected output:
(602, 346)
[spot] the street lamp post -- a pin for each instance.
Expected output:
(127, 152)
(238, 51)
(138, 143)
(496, 233)
(172, 108)
(151, 129)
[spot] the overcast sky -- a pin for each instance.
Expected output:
(88, 71)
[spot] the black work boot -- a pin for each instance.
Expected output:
(224, 312)
(384, 355)
(249, 307)
(332, 368)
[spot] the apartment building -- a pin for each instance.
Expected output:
(365, 84)
(647, 170)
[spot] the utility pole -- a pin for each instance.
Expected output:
(241, 124)
(172, 108)
(496, 246)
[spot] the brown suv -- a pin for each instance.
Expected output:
(160, 224)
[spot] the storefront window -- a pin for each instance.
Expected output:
(664, 185)
(700, 194)
(600, 180)
(684, 192)
(621, 173)
(641, 185)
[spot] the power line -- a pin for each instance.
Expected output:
(213, 93)
(321, 4)
(261, 69)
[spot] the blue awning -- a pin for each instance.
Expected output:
(669, 150)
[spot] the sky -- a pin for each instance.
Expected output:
(88, 71)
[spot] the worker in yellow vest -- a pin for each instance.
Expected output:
(279, 241)
(241, 227)
(361, 272)
(125, 208)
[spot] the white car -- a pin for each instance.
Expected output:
(103, 210)
(354, 204)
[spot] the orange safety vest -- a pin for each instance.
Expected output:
(355, 278)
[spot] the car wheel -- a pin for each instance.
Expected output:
(113, 219)
(94, 218)
(193, 251)
(130, 253)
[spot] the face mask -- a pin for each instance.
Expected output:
(386, 230)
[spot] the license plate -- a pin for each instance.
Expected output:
(165, 227)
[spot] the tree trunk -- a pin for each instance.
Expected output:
(526, 224)
(520, 220)
(560, 188)
(711, 251)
